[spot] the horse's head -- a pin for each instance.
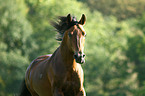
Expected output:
(76, 38)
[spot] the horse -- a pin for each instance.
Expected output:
(60, 73)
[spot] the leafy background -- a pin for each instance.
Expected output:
(115, 42)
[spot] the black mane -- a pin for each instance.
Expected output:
(62, 25)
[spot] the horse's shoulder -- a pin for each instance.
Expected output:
(43, 57)
(39, 59)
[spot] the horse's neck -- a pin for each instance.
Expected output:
(67, 55)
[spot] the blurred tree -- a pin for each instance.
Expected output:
(15, 43)
(15, 29)
(12, 71)
(122, 9)
(136, 51)
(107, 61)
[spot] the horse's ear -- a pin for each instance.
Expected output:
(69, 19)
(83, 20)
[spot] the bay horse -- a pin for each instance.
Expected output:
(60, 74)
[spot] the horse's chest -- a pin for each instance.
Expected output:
(72, 84)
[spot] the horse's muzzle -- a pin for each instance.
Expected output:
(79, 57)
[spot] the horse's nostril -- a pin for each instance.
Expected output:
(75, 56)
(84, 55)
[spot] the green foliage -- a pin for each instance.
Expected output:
(13, 67)
(136, 50)
(15, 29)
(141, 23)
(106, 58)
(122, 9)
(141, 91)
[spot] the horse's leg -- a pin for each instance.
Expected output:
(82, 93)
(33, 93)
(57, 92)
